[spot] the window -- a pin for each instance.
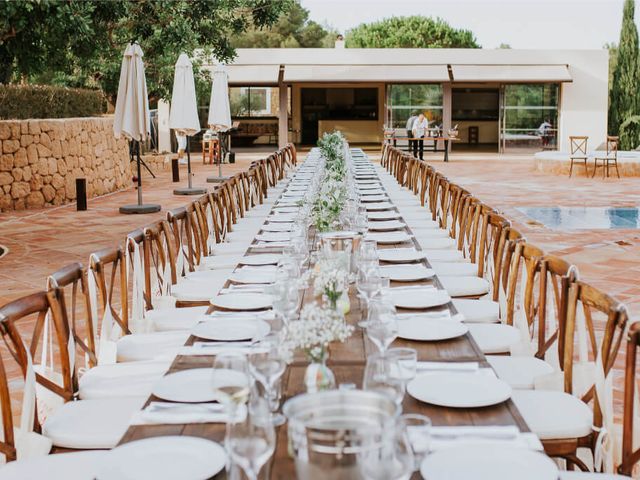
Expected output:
(253, 101)
(530, 116)
(405, 99)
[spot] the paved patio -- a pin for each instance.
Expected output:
(42, 241)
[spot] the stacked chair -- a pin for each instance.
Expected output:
(99, 337)
(530, 314)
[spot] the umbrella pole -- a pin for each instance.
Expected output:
(190, 190)
(134, 150)
(138, 161)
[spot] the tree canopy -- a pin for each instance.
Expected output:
(623, 96)
(80, 43)
(293, 29)
(410, 32)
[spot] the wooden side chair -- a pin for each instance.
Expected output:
(610, 158)
(578, 146)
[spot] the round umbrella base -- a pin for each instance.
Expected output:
(140, 209)
(217, 179)
(190, 191)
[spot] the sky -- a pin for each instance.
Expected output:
(554, 24)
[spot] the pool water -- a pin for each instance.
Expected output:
(584, 218)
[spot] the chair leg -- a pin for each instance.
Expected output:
(617, 171)
(571, 168)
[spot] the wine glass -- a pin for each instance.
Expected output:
(251, 442)
(381, 375)
(382, 328)
(230, 381)
(390, 459)
(368, 285)
(267, 368)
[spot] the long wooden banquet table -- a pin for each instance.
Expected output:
(347, 361)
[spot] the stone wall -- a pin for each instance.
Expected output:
(41, 159)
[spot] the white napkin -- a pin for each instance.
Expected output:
(167, 413)
(270, 245)
(498, 436)
(266, 315)
(214, 348)
(448, 367)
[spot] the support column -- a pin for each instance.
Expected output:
(283, 116)
(164, 132)
(446, 109)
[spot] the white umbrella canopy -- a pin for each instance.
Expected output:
(132, 105)
(219, 109)
(184, 107)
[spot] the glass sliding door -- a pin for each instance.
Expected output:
(529, 117)
(405, 99)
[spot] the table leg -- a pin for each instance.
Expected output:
(446, 150)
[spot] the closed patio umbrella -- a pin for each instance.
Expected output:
(220, 113)
(183, 117)
(132, 116)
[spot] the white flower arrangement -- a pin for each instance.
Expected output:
(331, 278)
(315, 330)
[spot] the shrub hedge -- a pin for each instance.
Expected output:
(47, 101)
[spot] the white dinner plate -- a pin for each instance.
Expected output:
(277, 227)
(400, 255)
(282, 217)
(386, 238)
(374, 198)
(459, 389)
(163, 458)
(406, 273)
(186, 386)
(419, 299)
(273, 237)
(231, 329)
(386, 215)
(386, 226)
(263, 259)
(370, 187)
(486, 462)
(286, 209)
(242, 301)
(253, 275)
(81, 465)
(420, 329)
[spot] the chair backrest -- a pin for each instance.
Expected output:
(578, 145)
(612, 146)
(109, 268)
(71, 282)
(630, 450)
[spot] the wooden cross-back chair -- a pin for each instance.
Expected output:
(272, 170)
(610, 158)
(16, 316)
(137, 239)
(70, 282)
(630, 452)
(110, 271)
(578, 147)
(181, 230)
(384, 154)
(590, 301)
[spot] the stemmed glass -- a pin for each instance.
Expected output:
(267, 367)
(230, 381)
(381, 375)
(252, 442)
(391, 459)
(368, 285)
(382, 328)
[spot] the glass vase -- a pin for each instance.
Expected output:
(318, 376)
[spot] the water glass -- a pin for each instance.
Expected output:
(419, 432)
(368, 285)
(381, 375)
(391, 459)
(407, 359)
(230, 381)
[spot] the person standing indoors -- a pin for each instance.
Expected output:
(419, 130)
(409, 127)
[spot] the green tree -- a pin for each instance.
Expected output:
(293, 29)
(80, 43)
(623, 98)
(409, 32)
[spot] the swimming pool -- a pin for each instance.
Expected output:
(584, 218)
